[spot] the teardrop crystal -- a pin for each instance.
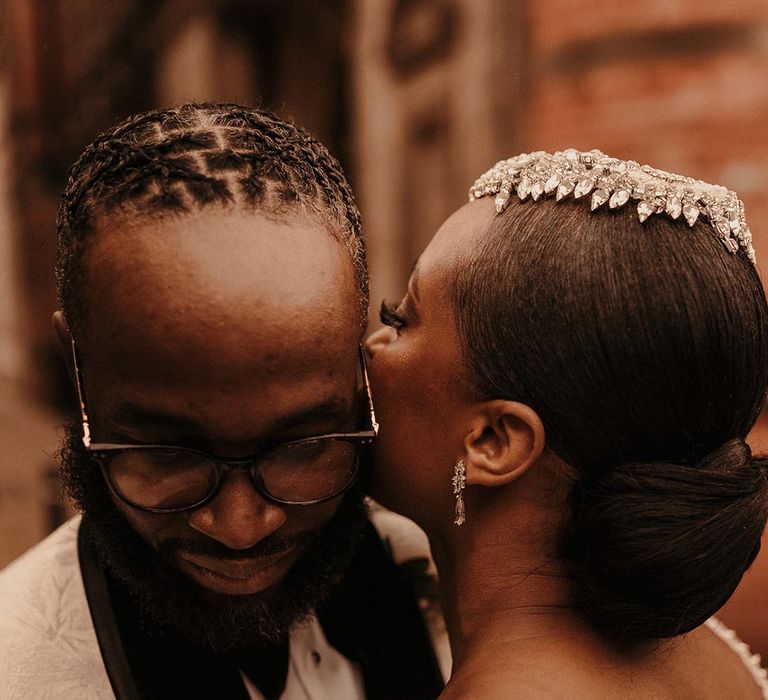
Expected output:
(460, 518)
(524, 188)
(674, 206)
(618, 199)
(585, 186)
(564, 189)
(599, 197)
(644, 210)
(551, 184)
(691, 213)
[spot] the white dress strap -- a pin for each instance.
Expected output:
(751, 661)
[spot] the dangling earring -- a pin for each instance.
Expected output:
(459, 481)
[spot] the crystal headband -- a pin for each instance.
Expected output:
(617, 182)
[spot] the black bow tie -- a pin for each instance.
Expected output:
(267, 669)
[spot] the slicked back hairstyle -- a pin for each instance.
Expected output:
(644, 350)
(181, 159)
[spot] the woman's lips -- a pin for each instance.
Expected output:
(237, 576)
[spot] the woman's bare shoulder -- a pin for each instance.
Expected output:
(700, 666)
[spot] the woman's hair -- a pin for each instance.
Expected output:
(644, 350)
(196, 155)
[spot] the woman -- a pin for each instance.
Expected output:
(573, 388)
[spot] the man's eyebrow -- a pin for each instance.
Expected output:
(328, 411)
(131, 415)
(332, 410)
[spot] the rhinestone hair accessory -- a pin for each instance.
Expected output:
(615, 182)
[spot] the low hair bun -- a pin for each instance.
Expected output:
(657, 548)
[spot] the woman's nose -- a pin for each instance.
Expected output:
(379, 339)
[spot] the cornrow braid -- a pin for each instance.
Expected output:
(179, 159)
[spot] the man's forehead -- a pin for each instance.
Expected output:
(223, 268)
(221, 250)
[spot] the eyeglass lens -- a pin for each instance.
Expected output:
(171, 478)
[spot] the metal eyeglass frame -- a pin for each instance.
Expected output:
(358, 438)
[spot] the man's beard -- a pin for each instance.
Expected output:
(168, 601)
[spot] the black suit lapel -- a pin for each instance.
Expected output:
(147, 667)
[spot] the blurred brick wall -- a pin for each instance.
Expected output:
(26, 427)
(679, 84)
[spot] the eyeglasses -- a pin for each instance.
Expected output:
(171, 479)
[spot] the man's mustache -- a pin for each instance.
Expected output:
(274, 544)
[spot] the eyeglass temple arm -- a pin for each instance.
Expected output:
(81, 396)
(368, 393)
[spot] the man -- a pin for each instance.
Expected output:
(213, 294)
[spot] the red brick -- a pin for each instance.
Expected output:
(556, 24)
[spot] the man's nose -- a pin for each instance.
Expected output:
(379, 339)
(238, 516)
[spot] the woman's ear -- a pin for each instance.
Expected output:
(61, 329)
(505, 438)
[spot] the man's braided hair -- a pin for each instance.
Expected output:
(180, 159)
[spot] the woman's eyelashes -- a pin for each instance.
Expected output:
(392, 315)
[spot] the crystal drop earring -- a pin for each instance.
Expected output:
(459, 482)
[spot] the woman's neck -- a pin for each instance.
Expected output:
(509, 621)
(489, 599)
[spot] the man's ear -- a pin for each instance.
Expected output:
(62, 331)
(505, 438)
